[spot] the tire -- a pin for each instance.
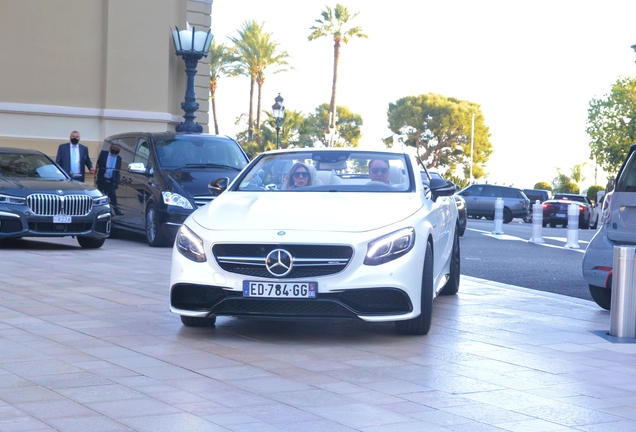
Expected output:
(462, 231)
(421, 324)
(198, 322)
(602, 296)
(545, 224)
(552, 225)
(452, 285)
(90, 243)
(507, 215)
(154, 234)
(584, 224)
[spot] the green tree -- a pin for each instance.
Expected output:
(221, 60)
(335, 23)
(440, 129)
(293, 131)
(592, 191)
(543, 185)
(611, 124)
(256, 51)
(349, 124)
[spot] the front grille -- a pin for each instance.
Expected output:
(347, 304)
(309, 260)
(201, 200)
(53, 205)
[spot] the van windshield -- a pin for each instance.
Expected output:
(192, 151)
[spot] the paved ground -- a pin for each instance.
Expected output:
(87, 344)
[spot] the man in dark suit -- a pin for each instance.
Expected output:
(73, 157)
(108, 174)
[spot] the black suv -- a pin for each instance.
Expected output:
(534, 195)
(164, 176)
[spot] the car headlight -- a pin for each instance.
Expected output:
(8, 199)
(390, 247)
(460, 204)
(190, 245)
(100, 201)
(174, 199)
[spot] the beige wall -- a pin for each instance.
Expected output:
(98, 66)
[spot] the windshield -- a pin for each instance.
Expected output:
(29, 165)
(203, 152)
(333, 171)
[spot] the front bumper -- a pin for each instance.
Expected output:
(16, 224)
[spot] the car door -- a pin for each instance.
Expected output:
(127, 151)
(140, 183)
(487, 200)
(622, 225)
(472, 196)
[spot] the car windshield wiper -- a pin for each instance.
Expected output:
(212, 165)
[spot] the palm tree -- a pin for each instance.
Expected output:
(221, 59)
(334, 23)
(256, 52)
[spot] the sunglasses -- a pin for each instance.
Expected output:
(301, 174)
(379, 170)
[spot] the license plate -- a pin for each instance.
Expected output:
(61, 219)
(306, 290)
(561, 215)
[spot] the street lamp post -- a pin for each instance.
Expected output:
(278, 110)
(191, 46)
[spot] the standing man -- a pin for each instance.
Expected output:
(73, 157)
(108, 168)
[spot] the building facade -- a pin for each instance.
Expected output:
(99, 67)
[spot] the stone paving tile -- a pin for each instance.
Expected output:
(107, 355)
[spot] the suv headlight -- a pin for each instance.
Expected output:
(8, 199)
(190, 245)
(100, 201)
(389, 247)
(174, 199)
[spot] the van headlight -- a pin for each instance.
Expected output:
(389, 247)
(190, 245)
(174, 199)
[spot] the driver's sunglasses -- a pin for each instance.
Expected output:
(379, 170)
(301, 174)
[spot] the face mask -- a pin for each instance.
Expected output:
(74, 140)
(115, 152)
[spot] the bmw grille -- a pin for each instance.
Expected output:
(52, 205)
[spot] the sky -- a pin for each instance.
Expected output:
(532, 66)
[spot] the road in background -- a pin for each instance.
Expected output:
(511, 259)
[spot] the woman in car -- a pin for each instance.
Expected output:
(300, 175)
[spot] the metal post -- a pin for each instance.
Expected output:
(190, 105)
(537, 223)
(623, 306)
(573, 227)
(499, 205)
(277, 133)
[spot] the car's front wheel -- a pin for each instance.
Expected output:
(198, 321)
(154, 235)
(602, 296)
(421, 324)
(90, 243)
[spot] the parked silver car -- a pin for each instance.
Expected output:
(481, 198)
(618, 228)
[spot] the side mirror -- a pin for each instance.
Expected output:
(441, 187)
(218, 185)
(137, 168)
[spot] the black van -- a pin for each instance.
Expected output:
(164, 176)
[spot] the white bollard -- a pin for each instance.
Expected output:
(573, 227)
(537, 223)
(623, 305)
(499, 205)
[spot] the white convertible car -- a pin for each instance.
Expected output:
(320, 234)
